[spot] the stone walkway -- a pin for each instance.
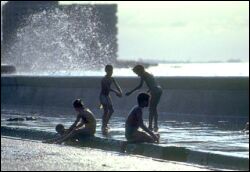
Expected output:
(29, 155)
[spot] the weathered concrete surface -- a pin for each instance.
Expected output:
(20, 155)
(173, 153)
(200, 96)
(7, 69)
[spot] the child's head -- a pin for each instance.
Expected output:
(109, 69)
(60, 129)
(78, 105)
(139, 70)
(143, 99)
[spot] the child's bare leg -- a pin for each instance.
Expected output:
(110, 109)
(110, 112)
(153, 110)
(140, 137)
(155, 119)
(150, 119)
(124, 146)
(70, 135)
(73, 133)
(156, 111)
(104, 117)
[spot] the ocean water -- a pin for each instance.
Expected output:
(177, 69)
(215, 137)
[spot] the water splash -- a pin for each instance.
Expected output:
(2, 4)
(57, 39)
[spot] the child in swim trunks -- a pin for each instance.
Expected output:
(105, 99)
(135, 121)
(85, 124)
(155, 91)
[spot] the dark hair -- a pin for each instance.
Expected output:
(108, 68)
(78, 103)
(142, 97)
(138, 68)
(59, 128)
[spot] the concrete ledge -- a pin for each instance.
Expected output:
(151, 150)
(7, 69)
(51, 157)
(200, 83)
(203, 96)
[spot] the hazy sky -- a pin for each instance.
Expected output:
(183, 30)
(196, 31)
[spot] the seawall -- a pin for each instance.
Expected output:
(189, 96)
(173, 153)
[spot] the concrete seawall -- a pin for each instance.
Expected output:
(197, 96)
(173, 153)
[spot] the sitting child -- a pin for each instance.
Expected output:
(135, 121)
(85, 124)
(60, 131)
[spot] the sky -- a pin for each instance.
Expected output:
(182, 30)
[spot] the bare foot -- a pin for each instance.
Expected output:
(158, 138)
(156, 129)
(123, 147)
(150, 128)
(105, 130)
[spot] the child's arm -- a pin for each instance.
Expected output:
(74, 125)
(149, 132)
(141, 124)
(115, 91)
(71, 131)
(80, 125)
(57, 137)
(136, 88)
(63, 138)
(117, 86)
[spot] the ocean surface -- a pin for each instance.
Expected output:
(177, 69)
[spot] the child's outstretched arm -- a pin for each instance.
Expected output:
(116, 92)
(117, 86)
(136, 88)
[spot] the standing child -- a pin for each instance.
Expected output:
(105, 99)
(155, 91)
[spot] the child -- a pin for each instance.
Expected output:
(85, 124)
(105, 99)
(135, 121)
(60, 132)
(155, 93)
